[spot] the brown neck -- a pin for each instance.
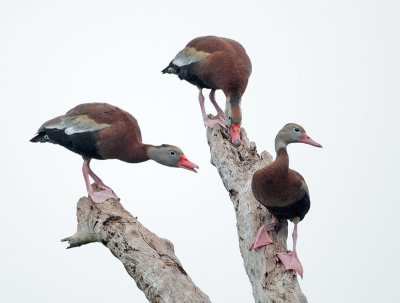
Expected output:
(235, 99)
(278, 168)
(137, 153)
(281, 163)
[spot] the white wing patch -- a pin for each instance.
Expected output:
(77, 124)
(189, 55)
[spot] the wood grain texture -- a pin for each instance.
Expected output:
(151, 261)
(148, 259)
(236, 166)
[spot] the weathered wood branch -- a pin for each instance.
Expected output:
(151, 260)
(148, 259)
(236, 166)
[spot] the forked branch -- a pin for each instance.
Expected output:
(151, 260)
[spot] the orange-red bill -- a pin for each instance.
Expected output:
(185, 163)
(235, 134)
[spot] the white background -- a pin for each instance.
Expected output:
(332, 66)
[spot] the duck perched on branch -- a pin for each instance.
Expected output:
(216, 63)
(283, 192)
(103, 131)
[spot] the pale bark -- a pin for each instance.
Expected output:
(148, 259)
(151, 260)
(236, 166)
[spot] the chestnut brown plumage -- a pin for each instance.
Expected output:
(216, 63)
(103, 131)
(283, 192)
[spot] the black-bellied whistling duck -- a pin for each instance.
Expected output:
(216, 63)
(103, 131)
(283, 192)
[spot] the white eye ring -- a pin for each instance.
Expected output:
(296, 129)
(172, 153)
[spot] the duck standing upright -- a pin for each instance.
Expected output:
(216, 63)
(103, 131)
(283, 192)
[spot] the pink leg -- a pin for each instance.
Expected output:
(201, 101)
(220, 112)
(208, 121)
(294, 236)
(290, 259)
(97, 180)
(262, 238)
(85, 171)
(96, 196)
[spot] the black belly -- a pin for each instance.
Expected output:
(188, 73)
(83, 144)
(297, 209)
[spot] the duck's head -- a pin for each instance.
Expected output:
(293, 133)
(171, 156)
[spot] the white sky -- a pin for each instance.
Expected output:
(332, 66)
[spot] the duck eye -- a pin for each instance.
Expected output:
(296, 129)
(172, 153)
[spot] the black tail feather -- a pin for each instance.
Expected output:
(40, 137)
(171, 69)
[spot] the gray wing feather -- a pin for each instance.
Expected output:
(188, 56)
(75, 124)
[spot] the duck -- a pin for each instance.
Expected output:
(103, 131)
(283, 192)
(214, 63)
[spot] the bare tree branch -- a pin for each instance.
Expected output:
(236, 166)
(148, 259)
(151, 260)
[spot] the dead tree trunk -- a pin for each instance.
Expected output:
(236, 166)
(151, 260)
(148, 259)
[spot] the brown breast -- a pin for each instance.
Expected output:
(122, 139)
(278, 186)
(228, 67)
